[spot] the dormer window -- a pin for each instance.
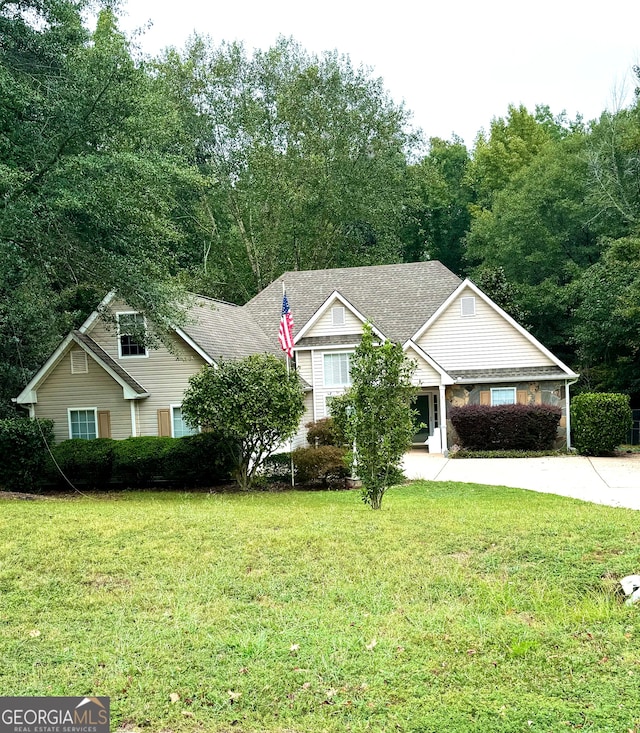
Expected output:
(337, 315)
(132, 330)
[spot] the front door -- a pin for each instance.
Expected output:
(422, 407)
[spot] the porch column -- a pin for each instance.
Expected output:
(443, 419)
(567, 413)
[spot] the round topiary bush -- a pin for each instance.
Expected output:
(600, 422)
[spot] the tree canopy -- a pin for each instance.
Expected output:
(214, 169)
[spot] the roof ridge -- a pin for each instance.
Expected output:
(215, 300)
(366, 267)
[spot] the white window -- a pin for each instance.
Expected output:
(337, 315)
(179, 426)
(79, 362)
(468, 306)
(336, 370)
(83, 423)
(503, 396)
(132, 329)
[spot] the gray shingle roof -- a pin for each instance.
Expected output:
(397, 299)
(226, 331)
(516, 374)
(102, 356)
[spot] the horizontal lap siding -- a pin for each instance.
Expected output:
(425, 375)
(300, 438)
(303, 365)
(163, 374)
(63, 390)
(483, 341)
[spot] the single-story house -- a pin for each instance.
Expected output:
(102, 382)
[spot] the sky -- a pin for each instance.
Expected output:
(455, 65)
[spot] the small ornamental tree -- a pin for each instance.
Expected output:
(376, 414)
(253, 403)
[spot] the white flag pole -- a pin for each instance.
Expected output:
(293, 480)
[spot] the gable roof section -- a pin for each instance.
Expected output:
(131, 389)
(219, 330)
(445, 378)
(397, 299)
(335, 296)
(566, 371)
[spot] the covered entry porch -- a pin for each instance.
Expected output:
(430, 405)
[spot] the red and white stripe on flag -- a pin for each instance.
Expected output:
(285, 332)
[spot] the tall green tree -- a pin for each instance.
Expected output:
(606, 325)
(438, 209)
(305, 156)
(542, 233)
(92, 194)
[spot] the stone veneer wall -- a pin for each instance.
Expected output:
(537, 393)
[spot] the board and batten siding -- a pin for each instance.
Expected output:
(164, 374)
(63, 390)
(324, 325)
(482, 341)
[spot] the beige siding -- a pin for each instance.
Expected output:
(300, 438)
(164, 374)
(303, 361)
(483, 341)
(63, 390)
(425, 375)
(324, 325)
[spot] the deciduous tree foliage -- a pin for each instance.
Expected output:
(376, 414)
(92, 194)
(438, 206)
(254, 403)
(305, 156)
(607, 321)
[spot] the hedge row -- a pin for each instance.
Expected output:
(506, 427)
(195, 460)
(23, 453)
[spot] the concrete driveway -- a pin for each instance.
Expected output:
(611, 481)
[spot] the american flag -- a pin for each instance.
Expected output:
(285, 332)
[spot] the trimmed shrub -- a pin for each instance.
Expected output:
(195, 460)
(198, 460)
(139, 462)
(323, 464)
(88, 463)
(325, 431)
(600, 422)
(23, 453)
(506, 427)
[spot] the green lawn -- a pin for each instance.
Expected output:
(455, 608)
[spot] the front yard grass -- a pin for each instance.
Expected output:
(455, 608)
